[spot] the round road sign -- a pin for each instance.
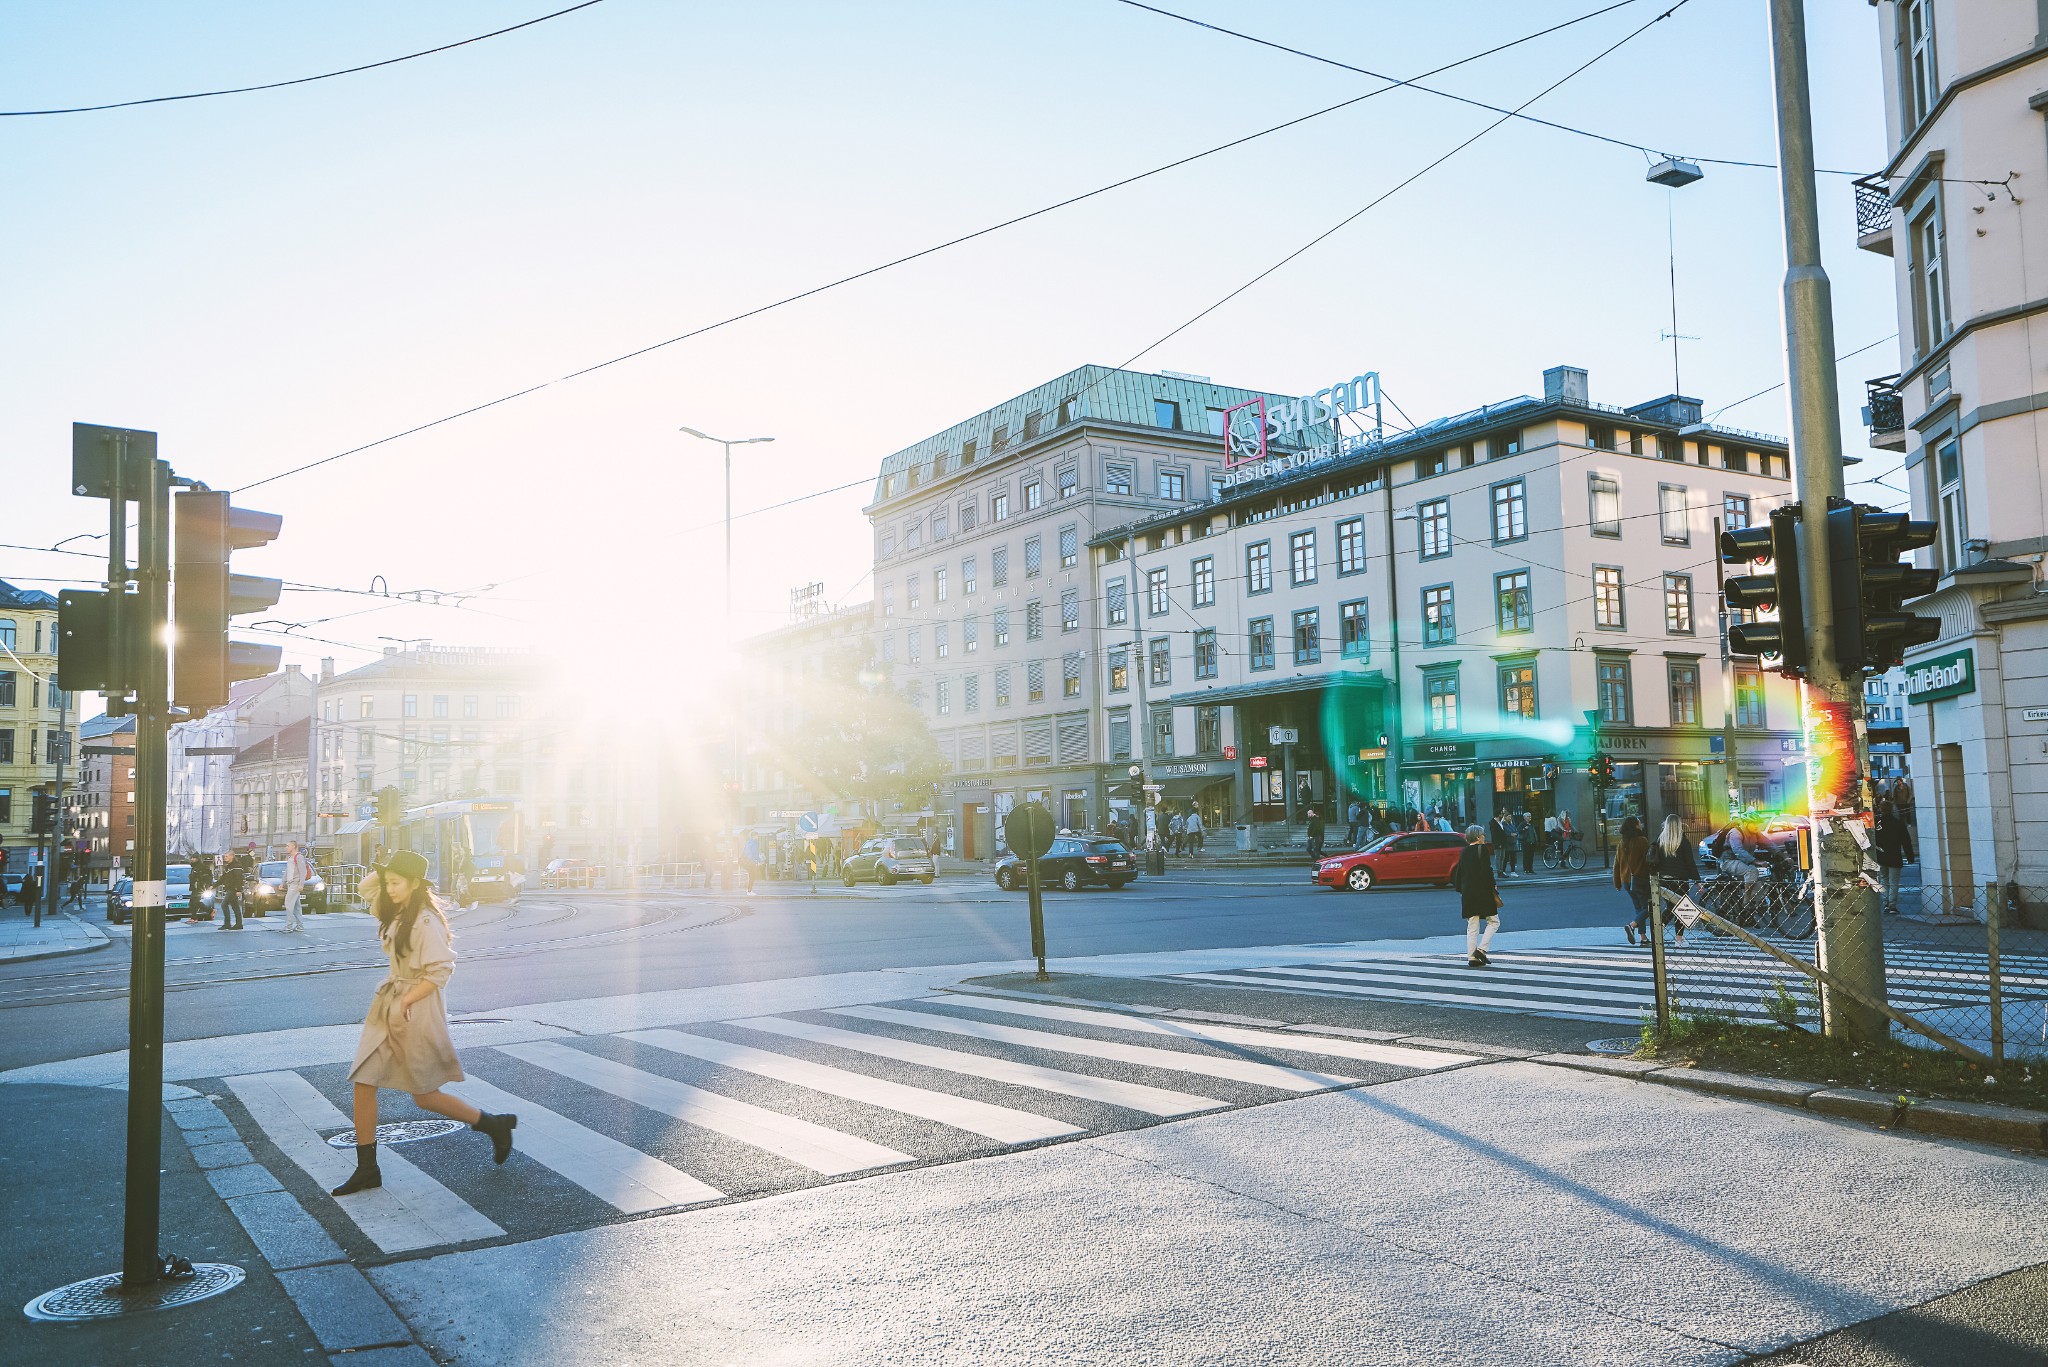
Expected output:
(1029, 830)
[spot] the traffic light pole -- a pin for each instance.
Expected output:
(1851, 935)
(141, 1262)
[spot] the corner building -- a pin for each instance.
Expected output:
(1460, 616)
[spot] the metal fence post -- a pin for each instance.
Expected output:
(1992, 911)
(1657, 966)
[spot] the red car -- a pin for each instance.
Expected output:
(1404, 857)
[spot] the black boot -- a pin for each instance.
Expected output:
(499, 1128)
(366, 1174)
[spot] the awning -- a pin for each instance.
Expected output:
(1319, 683)
(356, 827)
(1188, 786)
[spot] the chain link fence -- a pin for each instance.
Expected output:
(1965, 969)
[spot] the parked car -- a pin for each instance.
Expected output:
(119, 896)
(568, 873)
(264, 892)
(1074, 862)
(889, 859)
(1404, 857)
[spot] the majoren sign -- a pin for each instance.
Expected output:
(1251, 429)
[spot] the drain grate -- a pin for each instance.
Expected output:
(102, 1297)
(399, 1132)
(1620, 1045)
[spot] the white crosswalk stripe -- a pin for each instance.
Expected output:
(1206, 1065)
(816, 1147)
(618, 1174)
(999, 1123)
(1130, 1095)
(410, 1211)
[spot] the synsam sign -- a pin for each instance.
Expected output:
(1248, 427)
(1944, 676)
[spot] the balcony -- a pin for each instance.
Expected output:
(1885, 413)
(1873, 215)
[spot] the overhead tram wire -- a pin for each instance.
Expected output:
(928, 251)
(296, 80)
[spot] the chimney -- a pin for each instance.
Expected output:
(1566, 383)
(326, 668)
(292, 670)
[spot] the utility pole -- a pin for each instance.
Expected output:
(1851, 936)
(51, 872)
(1734, 784)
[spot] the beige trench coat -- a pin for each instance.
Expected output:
(414, 1055)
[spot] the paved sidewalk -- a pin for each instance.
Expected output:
(21, 938)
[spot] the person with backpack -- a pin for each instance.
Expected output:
(1632, 876)
(1478, 896)
(1194, 830)
(1177, 834)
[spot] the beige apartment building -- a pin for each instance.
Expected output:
(103, 800)
(1962, 209)
(1453, 619)
(37, 723)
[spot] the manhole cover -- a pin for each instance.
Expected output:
(1624, 1044)
(399, 1132)
(102, 1297)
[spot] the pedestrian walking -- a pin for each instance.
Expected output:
(296, 871)
(1674, 864)
(1526, 834)
(1315, 834)
(1177, 833)
(1632, 876)
(405, 1044)
(231, 880)
(31, 891)
(1195, 830)
(1888, 848)
(1501, 842)
(1478, 896)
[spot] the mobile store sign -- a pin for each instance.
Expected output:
(1944, 676)
(1251, 430)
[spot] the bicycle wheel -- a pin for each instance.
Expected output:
(1549, 856)
(1795, 915)
(1575, 857)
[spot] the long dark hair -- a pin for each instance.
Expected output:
(395, 923)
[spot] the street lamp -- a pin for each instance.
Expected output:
(728, 445)
(1397, 792)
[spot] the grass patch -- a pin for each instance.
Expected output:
(1707, 1040)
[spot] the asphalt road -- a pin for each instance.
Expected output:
(559, 946)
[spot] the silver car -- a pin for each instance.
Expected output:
(890, 859)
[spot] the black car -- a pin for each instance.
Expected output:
(1074, 862)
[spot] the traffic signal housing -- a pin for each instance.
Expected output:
(1779, 543)
(390, 806)
(1131, 789)
(89, 657)
(209, 531)
(42, 812)
(1870, 585)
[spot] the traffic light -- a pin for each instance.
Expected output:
(1778, 543)
(1869, 585)
(42, 812)
(89, 659)
(209, 531)
(390, 806)
(1132, 789)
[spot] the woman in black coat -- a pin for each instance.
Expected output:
(1888, 849)
(1478, 894)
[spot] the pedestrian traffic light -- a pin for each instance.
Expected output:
(89, 657)
(210, 530)
(1778, 542)
(1869, 586)
(390, 806)
(42, 812)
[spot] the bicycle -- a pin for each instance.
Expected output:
(1566, 853)
(1772, 902)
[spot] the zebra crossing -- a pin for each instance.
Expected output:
(1616, 983)
(654, 1120)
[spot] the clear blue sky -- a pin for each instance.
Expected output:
(270, 278)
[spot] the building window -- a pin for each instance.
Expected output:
(1604, 491)
(1162, 660)
(1351, 546)
(939, 591)
(1685, 693)
(508, 705)
(887, 544)
(1599, 436)
(1518, 692)
(1301, 558)
(942, 644)
(914, 645)
(1034, 620)
(1070, 610)
(1749, 696)
(1510, 512)
(1734, 512)
(970, 514)
(1069, 481)
(1173, 484)
(1070, 547)
(1070, 676)
(1116, 478)
(942, 697)
(1678, 604)
(1002, 616)
(913, 593)
(970, 575)
(409, 705)
(1608, 609)
(1034, 558)
(1034, 681)
(1615, 695)
(1205, 653)
(1259, 634)
(1439, 620)
(1157, 600)
(1120, 733)
(999, 566)
(999, 506)
(1512, 609)
(1672, 522)
(1921, 76)
(1166, 414)
(472, 705)
(440, 704)
(1955, 522)
(970, 634)
(939, 525)
(1351, 630)
(1308, 636)
(970, 693)
(1433, 526)
(1440, 698)
(1205, 582)
(1120, 670)
(1034, 495)
(889, 649)
(1116, 602)
(1258, 567)
(1162, 733)
(1507, 444)
(1208, 730)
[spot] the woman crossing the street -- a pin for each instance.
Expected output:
(1632, 876)
(1674, 865)
(405, 1044)
(1478, 896)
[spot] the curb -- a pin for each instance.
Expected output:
(97, 939)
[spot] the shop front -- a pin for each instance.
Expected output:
(1205, 786)
(1693, 775)
(1320, 745)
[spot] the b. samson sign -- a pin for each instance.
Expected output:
(1944, 676)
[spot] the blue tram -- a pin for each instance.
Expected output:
(471, 846)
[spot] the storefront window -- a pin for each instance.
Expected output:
(1682, 788)
(1625, 798)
